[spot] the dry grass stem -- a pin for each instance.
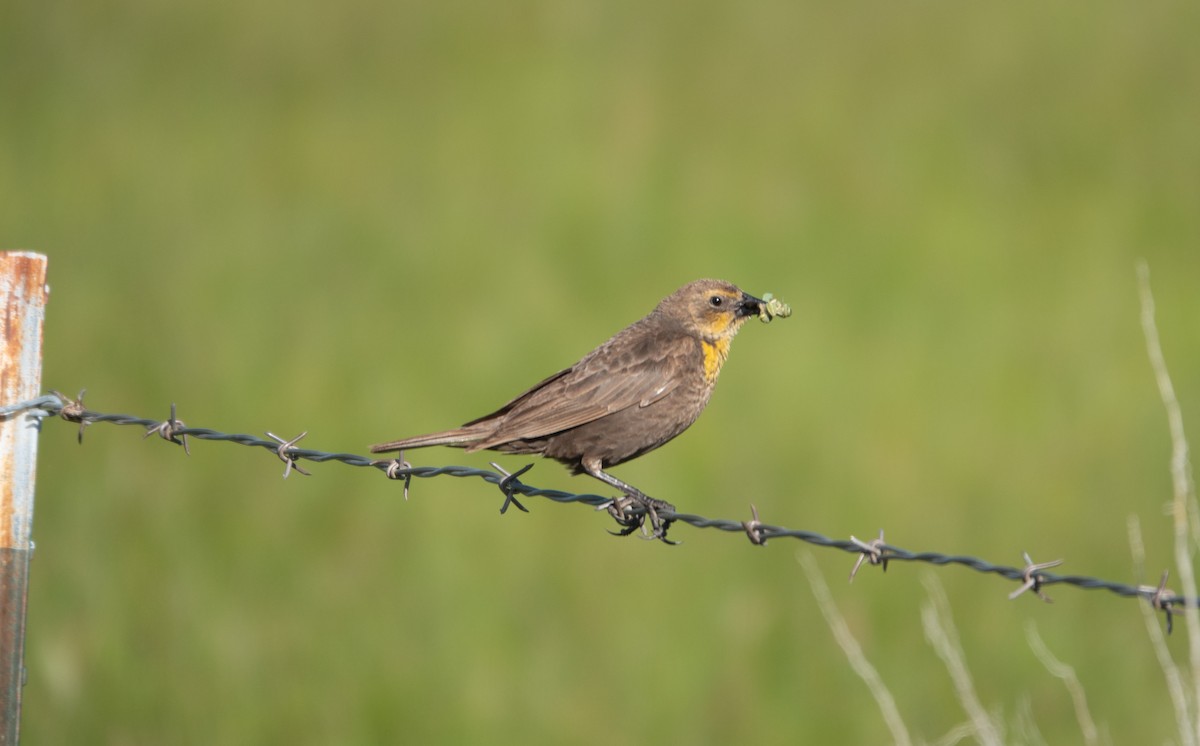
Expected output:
(1184, 509)
(1175, 685)
(858, 661)
(1060, 670)
(942, 635)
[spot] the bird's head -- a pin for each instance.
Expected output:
(714, 310)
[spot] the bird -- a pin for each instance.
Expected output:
(640, 389)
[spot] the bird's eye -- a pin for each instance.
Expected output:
(716, 301)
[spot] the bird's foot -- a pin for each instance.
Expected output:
(625, 512)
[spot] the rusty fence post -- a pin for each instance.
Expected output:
(23, 294)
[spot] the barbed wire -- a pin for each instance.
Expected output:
(1032, 576)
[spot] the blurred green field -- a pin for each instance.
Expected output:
(368, 220)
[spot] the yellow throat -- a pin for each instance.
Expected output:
(714, 357)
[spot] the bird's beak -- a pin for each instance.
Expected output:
(749, 305)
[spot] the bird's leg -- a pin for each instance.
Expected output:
(617, 507)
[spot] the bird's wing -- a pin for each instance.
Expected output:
(591, 389)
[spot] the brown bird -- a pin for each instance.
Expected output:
(625, 398)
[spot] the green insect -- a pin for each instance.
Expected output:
(771, 308)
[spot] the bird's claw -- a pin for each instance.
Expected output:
(633, 519)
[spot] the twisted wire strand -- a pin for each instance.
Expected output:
(1033, 576)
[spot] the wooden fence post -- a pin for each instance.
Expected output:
(23, 294)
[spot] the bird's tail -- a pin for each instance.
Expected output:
(461, 437)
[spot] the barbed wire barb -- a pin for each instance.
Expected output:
(754, 528)
(1163, 599)
(72, 410)
(284, 451)
(508, 486)
(398, 468)
(873, 552)
(167, 429)
(1032, 576)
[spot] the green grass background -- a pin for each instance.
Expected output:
(368, 220)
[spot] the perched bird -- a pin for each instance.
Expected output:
(628, 396)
